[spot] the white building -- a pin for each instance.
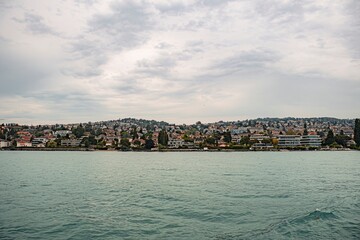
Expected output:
(21, 143)
(289, 140)
(62, 133)
(39, 142)
(258, 137)
(70, 143)
(175, 143)
(4, 143)
(296, 140)
(311, 140)
(235, 138)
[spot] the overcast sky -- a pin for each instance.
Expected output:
(178, 61)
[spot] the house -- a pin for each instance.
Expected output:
(235, 138)
(39, 142)
(175, 143)
(350, 143)
(70, 143)
(4, 143)
(22, 143)
(24, 136)
(62, 133)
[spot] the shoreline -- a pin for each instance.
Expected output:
(171, 150)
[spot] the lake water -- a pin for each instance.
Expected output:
(204, 195)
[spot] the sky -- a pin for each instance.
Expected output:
(179, 61)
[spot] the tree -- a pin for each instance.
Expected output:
(330, 139)
(227, 137)
(186, 138)
(124, 143)
(136, 142)
(51, 144)
(92, 140)
(149, 144)
(290, 132)
(163, 138)
(134, 134)
(305, 130)
(79, 131)
(342, 139)
(245, 140)
(210, 140)
(357, 132)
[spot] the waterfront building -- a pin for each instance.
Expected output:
(261, 146)
(258, 137)
(311, 140)
(22, 143)
(39, 142)
(70, 142)
(175, 143)
(4, 143)
(289, 140)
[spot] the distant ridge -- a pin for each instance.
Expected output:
(144, 122)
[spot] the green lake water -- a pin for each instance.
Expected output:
(191, 195)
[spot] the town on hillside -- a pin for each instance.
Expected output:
(271, 134)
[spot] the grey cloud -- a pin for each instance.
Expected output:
(180, 7)
(195, 43)
(72, 103)
(282, 12)
(4, 40)
(86, 72)
(35, 24)
(92, 56)
(248, 61)
(159, 67)
(19, 76)
(309, 92)
(127, 86)
(125, 26)
(351, 34)
(86, 2)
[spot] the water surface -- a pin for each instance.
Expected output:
(207, 195)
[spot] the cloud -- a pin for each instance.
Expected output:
(246, 61)
(125, 25)
(180, 61)
(35, 24)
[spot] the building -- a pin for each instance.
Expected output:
(39, 142)
(311, 140)
(261, 146)
(289, 140)
(62, 133)
(4, 143)
(258, 137)
(175, 143)
(21, 143)
(235, 138)
(70, 143)
(297, 140)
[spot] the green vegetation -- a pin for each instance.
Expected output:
(163, 138)
(357, 132)
(330, 139)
